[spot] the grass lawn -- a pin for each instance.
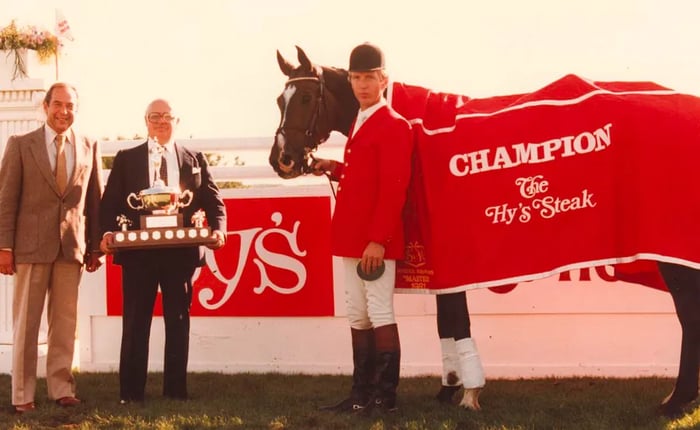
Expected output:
(276, 402)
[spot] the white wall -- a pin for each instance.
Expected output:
(19, 113)
(546, 328)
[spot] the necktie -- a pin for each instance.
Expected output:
(61, 173)
(163, 173)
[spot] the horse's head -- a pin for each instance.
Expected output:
(309, 112)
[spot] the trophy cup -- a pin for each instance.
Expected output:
(164, 226)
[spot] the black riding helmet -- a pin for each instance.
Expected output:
(365, 58)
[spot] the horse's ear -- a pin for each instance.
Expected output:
(303, 59)
(285, 66)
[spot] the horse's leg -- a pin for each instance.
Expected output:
(684, 285)
(470, 371)
(470, 363)
(451, 380)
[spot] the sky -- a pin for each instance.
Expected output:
(216, 59)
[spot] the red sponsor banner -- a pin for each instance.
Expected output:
(276, 262)
(577, 174)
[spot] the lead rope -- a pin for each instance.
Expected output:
(327, 175)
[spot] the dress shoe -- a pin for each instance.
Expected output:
(20, 409)
(127, 400)
(68, 401)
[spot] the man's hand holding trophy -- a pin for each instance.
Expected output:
(163, 225)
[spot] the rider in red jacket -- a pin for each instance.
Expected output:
(367, 230)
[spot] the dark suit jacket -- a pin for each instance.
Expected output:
(130, 174)
(36, 221)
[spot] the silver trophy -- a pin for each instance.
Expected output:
(159, 198)
(164, 226)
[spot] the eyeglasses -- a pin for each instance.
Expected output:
(157, 117)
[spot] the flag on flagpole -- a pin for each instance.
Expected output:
(62, 26)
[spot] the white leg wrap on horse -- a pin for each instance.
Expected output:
(472, 373)
(450, 363)
(470, 364)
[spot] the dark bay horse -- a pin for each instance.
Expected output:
(317, 100)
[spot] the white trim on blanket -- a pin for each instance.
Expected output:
(556, 271)
(419, 121)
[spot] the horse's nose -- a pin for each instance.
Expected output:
(286, 159)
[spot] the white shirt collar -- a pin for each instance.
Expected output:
(50, 135)
(362, 115)
(169, 147)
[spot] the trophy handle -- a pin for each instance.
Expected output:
(186, 195)
(136, 198)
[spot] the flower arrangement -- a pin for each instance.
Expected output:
(13, 39)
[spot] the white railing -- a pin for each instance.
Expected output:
(252, 151)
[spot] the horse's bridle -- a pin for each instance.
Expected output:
(311, 130)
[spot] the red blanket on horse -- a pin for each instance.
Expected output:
(514, 188)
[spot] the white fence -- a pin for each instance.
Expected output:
(252, 154)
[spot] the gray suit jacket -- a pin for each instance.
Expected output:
(35, 220)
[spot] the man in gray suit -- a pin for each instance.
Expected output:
(50, 189)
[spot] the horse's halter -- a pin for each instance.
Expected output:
(310, 145)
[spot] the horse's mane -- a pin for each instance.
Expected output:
(336, 80)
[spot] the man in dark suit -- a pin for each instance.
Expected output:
(50, 187)
(144, 270)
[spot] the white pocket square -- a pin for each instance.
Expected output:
(196, 170)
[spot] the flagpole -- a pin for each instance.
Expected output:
(62, 31)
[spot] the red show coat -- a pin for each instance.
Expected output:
(373, 181)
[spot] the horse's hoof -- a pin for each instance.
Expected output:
(671, 409)
(674, 405)
(470, 400)
(447, 393)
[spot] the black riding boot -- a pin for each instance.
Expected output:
(363, 359)
(684, 285)
(388, 365)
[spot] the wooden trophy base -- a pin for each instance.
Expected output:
(162, 231)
